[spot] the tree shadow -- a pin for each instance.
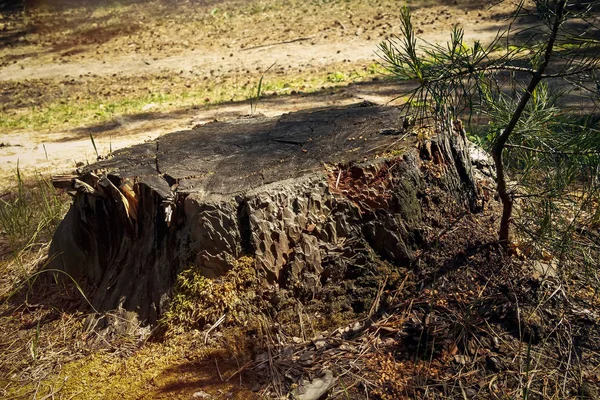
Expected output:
(226, 110)
(11, 37)
(82, 26)
(10, 7)
(93, 35)
(460, 4)
(83, 32)
(214, 375)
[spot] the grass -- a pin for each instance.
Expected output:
(69, 112)
(30, 212)
(256, 98)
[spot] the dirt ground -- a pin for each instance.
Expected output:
(130, 71)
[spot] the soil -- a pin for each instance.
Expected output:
(68, 53)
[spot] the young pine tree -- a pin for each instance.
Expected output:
(524, 84)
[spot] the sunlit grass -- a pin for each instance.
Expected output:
(65, 113)
(30, 211)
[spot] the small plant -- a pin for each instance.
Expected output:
(198, 300)
(336, 77)
(33, 348)
(374, 69)
(256, 98)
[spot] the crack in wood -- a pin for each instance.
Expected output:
(293, 142)
(156, 157)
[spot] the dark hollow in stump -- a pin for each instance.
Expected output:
(291, 191)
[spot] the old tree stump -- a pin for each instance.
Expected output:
(294, 192)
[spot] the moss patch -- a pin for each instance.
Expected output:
(175, 369)
(198, 301)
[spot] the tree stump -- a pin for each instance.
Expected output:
(294, 192)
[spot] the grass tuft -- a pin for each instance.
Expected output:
(29, 212)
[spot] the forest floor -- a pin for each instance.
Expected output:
(77, 82)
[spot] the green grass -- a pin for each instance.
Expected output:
(30, 212)
(69, 112)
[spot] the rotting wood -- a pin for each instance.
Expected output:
(295, 192)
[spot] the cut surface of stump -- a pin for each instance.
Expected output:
(302, 194)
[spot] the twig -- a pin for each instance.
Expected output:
(391, 145)
(451, 226)
(240, 369)
(238, 365)
(375, 305)
(567, 369)
(303, 334)
(219, 371)
(462, 390)
(53, 392)
(278, 43)
(37, 388)
(212, 328)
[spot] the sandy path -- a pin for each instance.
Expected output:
(306, 51)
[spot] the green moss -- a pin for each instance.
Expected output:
(169, 370)
(198, 300)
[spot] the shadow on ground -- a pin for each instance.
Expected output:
(380, 91)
